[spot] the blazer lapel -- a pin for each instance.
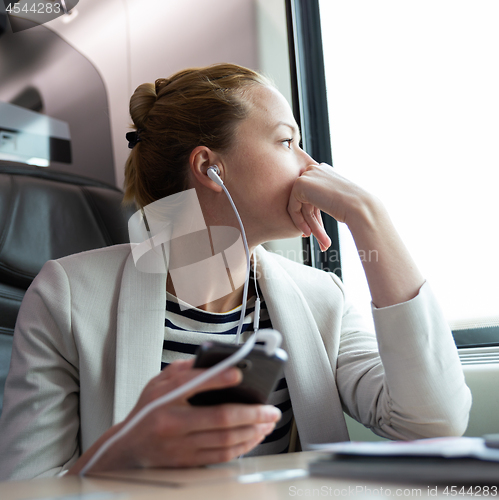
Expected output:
(139, 343)
(316, 402)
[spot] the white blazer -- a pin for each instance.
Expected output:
(90, 334)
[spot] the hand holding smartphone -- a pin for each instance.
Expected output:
(261, 372)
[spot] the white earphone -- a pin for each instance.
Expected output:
(214, 174)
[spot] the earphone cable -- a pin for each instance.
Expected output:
(248, 266)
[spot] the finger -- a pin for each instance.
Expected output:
(316, 225)
(219, 455)
(227, 438)
(175, 367)
(230, 416)
(172, 370)
(295, 211)
(227, 378)
(318, 217)
(180, 365)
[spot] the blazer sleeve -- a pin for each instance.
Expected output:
(39, 425)
(407, 381)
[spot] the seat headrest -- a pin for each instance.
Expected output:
(48, 215)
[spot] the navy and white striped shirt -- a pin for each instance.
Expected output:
(185, 330)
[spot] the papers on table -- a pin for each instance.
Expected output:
(448, 447)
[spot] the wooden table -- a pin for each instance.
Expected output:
(260, 478)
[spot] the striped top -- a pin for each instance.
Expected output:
(185, 330)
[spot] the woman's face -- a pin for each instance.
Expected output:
(263, 164)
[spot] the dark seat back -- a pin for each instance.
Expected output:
(47, 215)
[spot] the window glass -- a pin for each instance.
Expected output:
(414, 114)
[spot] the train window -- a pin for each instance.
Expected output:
(413, 106)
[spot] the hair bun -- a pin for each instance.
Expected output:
(141, 103)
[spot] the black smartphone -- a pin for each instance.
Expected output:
(261, 373)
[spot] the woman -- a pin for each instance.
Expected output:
(90, 336)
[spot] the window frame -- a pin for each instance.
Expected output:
(308, 90)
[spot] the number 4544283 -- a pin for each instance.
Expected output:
(472, 491)
(34, 8)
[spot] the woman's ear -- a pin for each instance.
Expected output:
(202, 158)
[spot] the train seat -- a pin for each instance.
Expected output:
(46, 215)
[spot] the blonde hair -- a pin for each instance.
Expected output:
(194, 107)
